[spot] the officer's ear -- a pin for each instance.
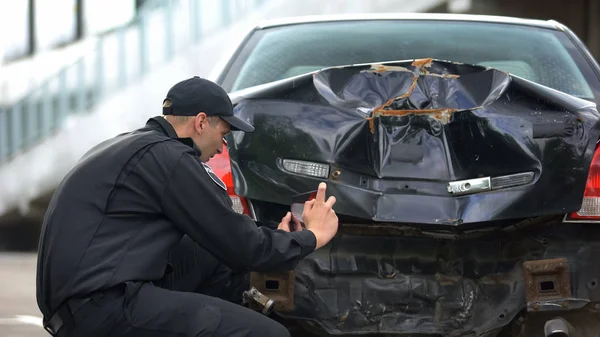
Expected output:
(200, 122)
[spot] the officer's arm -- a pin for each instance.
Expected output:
(189, 201)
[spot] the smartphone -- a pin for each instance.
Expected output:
(298, 201)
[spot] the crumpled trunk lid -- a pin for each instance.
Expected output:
(422, 141)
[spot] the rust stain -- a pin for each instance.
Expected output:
(453, 76)
(438, 112)
(371, 124)
(420, 63)
(410, 90)
(443, 114)
(283, 295)
(423, 63)
(553, 272)
(379, 68)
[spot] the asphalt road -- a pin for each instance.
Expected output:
(19, 315)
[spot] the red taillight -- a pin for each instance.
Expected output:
(590, 207)
(240, 204)
(592, 188)
(222, 167)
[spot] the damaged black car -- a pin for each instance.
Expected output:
(463, 153)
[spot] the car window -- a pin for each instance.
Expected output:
(537, 54)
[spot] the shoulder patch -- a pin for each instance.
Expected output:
(214, 177)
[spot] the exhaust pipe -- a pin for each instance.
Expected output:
(557, 327)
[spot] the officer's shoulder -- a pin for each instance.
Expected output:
(171, 148)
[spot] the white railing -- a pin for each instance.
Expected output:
(119, 58)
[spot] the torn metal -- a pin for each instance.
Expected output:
(425, 285)
(400, 135)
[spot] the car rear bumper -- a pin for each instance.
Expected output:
(383, 280)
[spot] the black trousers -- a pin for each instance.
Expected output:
(196, 298)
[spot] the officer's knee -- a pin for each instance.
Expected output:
(239, 321)
(273, 329)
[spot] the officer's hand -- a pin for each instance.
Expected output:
(290, 222)
(320, 218)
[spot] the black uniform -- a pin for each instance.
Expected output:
(117, 216)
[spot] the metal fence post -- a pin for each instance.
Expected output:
(32, 120)
(3, 134)
(99, 70)
(143, 45)
(16, 138)
(169, 36)
(46, 124)
(81, 87)
(122, 58)
(63, 105)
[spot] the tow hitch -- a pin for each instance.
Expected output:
(256, 297)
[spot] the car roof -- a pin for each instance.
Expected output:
(551, 24)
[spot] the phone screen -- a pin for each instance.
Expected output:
(298, 201)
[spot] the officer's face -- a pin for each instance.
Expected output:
(210, 138)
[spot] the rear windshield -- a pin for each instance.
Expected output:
(537, 54)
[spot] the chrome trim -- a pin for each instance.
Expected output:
(469, 186)
(485, 184)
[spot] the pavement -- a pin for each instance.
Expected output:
(19, 315)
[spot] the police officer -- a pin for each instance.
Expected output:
(139, 240)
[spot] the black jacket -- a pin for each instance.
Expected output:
(128, 200)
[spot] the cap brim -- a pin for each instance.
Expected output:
(238, 124)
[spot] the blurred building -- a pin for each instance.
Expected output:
(41, 36)
(582, 16)
(46, 34)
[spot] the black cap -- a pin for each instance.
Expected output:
(192, 96)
